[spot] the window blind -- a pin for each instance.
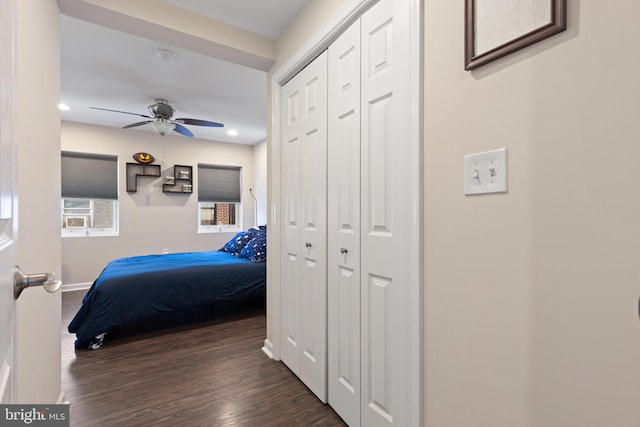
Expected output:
(218, 184)
(89, 176)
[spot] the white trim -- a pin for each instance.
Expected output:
(61, 398)
(267, 348)
(274, 229)
(415, 296)
(5, 241)
(76, 287)
(5, 374)
(322, 38)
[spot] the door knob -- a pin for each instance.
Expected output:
(22, 281)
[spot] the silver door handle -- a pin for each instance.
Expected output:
(22, 281)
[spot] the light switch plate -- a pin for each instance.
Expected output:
(486, 172)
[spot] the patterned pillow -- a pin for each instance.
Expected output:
(256, 249)
(238, 242)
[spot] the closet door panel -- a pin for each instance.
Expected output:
(291, 255)
(304, 179)
(383, 222)
(313, 363)
(344, 226)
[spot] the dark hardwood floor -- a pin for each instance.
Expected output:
(192, 369)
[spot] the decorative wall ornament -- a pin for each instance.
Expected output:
(143, 158)
(494, 29)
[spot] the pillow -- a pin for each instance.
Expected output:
(256, 249)
(238, 242)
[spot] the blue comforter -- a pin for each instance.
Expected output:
(135, 288)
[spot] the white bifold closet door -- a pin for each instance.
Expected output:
(369, 224)
(343, 244)
(304, 191)
(388, 220)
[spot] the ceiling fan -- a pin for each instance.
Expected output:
(162, 121)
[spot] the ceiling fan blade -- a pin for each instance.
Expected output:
(124, 112)
(197, 122)
(182, 130)
(132, 125)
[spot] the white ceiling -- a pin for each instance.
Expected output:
(269, 18)
(105, 68)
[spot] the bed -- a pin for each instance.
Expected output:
(136, 288)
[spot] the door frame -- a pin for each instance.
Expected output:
(342, 19)
(7, 204)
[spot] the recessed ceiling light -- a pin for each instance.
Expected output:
(63, 107)
(232, 132)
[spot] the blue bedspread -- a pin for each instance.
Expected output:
(135, 288)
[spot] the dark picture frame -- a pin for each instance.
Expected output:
(493, 34)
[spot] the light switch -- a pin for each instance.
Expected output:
(485, 172)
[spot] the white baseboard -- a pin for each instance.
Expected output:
(268, 349)
(76, 287)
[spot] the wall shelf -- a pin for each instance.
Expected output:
(181, 181)
(136, 170)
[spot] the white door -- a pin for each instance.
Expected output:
(7, 232)
(343, 226)
(390, 334)
(29, 86)
(304, 183)
(290, 284)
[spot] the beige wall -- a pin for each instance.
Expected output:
(306, 24)
(532, 296)
(150, 220)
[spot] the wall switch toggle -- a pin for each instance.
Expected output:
(485, 172)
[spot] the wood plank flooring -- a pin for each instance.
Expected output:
(204, 370)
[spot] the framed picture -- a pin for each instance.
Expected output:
(495, 28)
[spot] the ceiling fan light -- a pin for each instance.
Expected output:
(163, 127)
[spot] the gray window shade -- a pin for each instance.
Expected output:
(89, 176)
(218, 184)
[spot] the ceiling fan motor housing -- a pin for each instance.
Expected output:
(161, 109)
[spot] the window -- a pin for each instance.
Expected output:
(89, 195)
(218, 198)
